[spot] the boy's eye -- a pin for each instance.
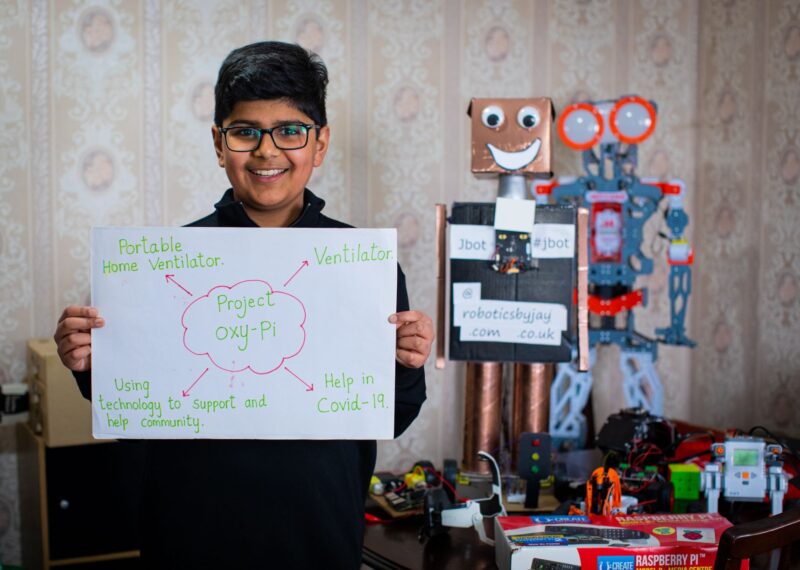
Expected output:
(245, 132)
(291, 130)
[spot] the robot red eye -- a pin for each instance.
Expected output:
(633, 119)
(580, 126)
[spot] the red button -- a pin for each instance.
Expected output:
(536, 443)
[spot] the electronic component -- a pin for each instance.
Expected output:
(415, 479)
(539, 564)
(405, 502)
(440, 512)
(745, 469)
(449, 474)
(604, 492)
(601, 532)
(513, 252)
(429, 470)
(632, 426)
(395, 500)
(552, 539)
(376, 487)
(533, 464)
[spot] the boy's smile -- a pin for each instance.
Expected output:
(269, 181)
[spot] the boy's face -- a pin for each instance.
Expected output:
(270, 181)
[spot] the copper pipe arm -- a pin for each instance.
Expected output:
(583, 289)
(441, 280)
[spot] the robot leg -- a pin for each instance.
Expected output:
(568, 396)
(641, 383)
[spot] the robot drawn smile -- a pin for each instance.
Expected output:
(515, 160)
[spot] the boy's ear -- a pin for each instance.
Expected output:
(321, 145)
(218, 144)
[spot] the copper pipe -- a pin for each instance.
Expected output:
(483, 400)
(531, 408)
(441, 279)
(583, 289)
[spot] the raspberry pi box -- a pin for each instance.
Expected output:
(622, 542)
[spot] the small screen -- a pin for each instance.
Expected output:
(745, 457)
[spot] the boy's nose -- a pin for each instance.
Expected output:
(266, 147)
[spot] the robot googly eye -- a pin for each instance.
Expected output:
(528, 117)
(632, 120)
(493, 117)
(580, 126)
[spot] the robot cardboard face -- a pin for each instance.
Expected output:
(511, 136)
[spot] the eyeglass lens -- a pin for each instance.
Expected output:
(285, 137)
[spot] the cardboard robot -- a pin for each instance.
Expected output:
(512, 273)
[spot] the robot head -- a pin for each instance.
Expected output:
(511, 136)
(629, 120)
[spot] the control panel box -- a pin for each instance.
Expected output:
(745, 469)
(630, 542)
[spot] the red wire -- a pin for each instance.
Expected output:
(446, 482)
(372, 519)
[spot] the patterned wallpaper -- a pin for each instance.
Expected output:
(105, 113)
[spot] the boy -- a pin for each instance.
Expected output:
(263, 504)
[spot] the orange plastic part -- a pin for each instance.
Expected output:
(613, 500)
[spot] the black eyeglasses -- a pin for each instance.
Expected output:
(284, 137)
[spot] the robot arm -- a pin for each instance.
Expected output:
(680, 257)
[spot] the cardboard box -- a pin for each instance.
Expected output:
(58, 412)
(634, 542)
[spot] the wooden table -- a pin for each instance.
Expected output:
(396, 545)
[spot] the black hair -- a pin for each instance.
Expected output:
(269, 71)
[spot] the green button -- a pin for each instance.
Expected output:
(534, 469)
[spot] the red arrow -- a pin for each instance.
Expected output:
(302, 265)
(186, 392)
(169, 277)
(308, 388)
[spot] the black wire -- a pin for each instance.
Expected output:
(792, 451)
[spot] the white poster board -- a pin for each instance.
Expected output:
(243, 333)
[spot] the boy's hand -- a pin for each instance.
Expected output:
(414, 337)
(73, 336)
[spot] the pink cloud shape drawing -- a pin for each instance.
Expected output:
(245, 326)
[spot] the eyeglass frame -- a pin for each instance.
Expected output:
(308, 127)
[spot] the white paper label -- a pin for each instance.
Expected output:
(539, 334)
(510, 313)
(553, 241)
(514, 215)
(549, 241)
(466, 292)
(471, 242)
